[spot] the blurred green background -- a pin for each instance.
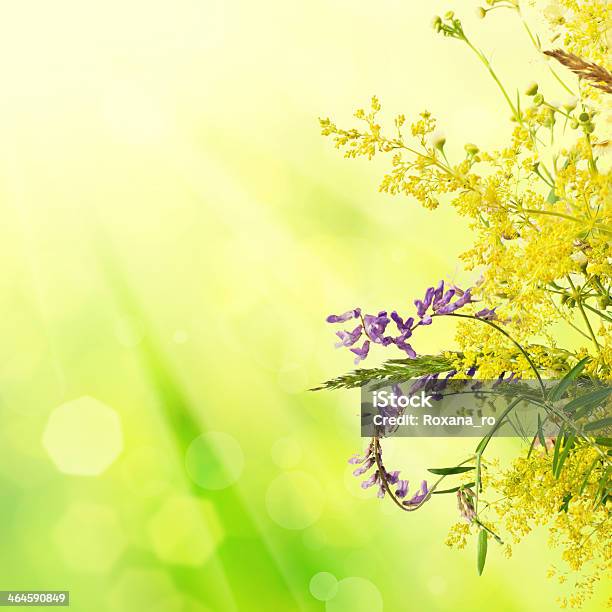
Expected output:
(173, 232)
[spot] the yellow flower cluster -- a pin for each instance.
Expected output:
(568, 505)
(582, 27)
(542, 219)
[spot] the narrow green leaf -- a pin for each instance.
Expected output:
(582, 405)
(601, 423)
(450, 470)
(557, 392)
(604, 441)
(565, 505)
(557, 450)
(482, 551)
(541, 437)
(569, 443)
(587, 475)
(454, 489)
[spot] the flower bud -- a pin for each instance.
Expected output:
(449, 15)
(589, 128)
(532, 89)
(570, 105)
(603, 302)
(471, 149)
(436, 23)
(481, 13)
(574, 124)
(438, 140)
(538, 99)
(583, 117)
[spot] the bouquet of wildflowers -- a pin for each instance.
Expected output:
(540, 208)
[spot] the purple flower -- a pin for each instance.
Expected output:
(375, 327)
(465, 504)
(419, 383)
(488, 314)
(466, 298)
(358, 459)
(405, 327)
(362, 352)
(370, 482)
(349, 338)
(391, 478)
(345, 316)
(437, 292)
(401, 344)
(365, 466)
(444, 300)
(402, 489)
(418, 497)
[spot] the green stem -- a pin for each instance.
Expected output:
(387, 487)
(488, 66)
(578, 298)
(603, 315)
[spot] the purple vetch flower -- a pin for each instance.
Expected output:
(436, 302)
(375, 327)
(359, 459)
(362, 352)
(345, 316)
(368, 461)
(444, 300)
(404, 346)
(438, 291)
(371, 481)
(419, 496)
(402, 489)
(365, 466)
(471, 371)
(419, 383)
(405, 327)
(488, 314)
(349, 338)
(465, 504)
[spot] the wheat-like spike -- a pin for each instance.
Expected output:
(597, 75)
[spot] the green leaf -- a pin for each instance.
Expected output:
(604, 441)
(557, 392)
(585, 482)
(557, 450)
(565, 505)
(454, 489)
(541, 437)
(482, 551)
(582, 405)
(392, 371)
(569, 443)
(459, 469)
(601, 423)
(552, 197)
